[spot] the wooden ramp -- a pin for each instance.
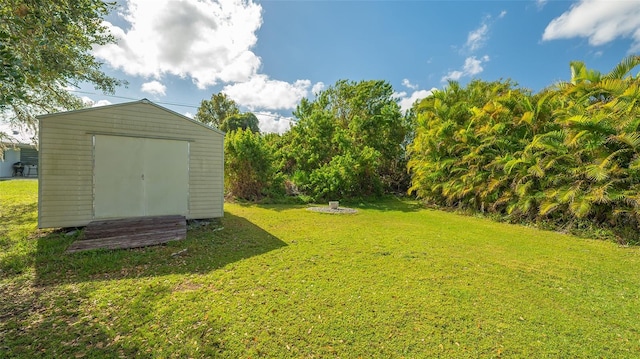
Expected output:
(131, 233)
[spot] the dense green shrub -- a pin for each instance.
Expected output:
(250, 172)
(346, 176)
(348, 142)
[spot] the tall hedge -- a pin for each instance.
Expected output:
(567, 155)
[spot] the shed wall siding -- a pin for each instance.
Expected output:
(66, 159)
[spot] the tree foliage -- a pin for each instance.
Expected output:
(462, 135)
(570, 154)
(347, 142)
(45, 47)
(250, 170)
(594, 155)
(245, 121)
(213, 112)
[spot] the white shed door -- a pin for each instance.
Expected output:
(136, 177)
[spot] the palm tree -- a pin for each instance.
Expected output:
(599, 119)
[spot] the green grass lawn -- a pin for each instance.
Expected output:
(279, 281)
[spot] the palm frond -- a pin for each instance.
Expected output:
(567, 195)
(536, 170)
(596, 173)
(580, 207)
(547, 207)
(630, 139)
(623, 68)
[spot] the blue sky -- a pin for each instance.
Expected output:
(267, 55)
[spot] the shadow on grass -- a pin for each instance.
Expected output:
(16, 228)
(60, 322)
(385, 204)
(277, 207)
(205, 249)
(31, 329)
(18, 214)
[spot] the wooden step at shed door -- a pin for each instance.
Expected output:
(131, 233)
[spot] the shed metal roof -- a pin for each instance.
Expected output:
(123, 104)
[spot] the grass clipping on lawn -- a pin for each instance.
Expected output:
(282, 282)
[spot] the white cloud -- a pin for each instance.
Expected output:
(189, 114)
(477, 38)
(407, 102)
(598, 20)
(452, 75)
(101, 103)
(208, 41)
(319, 86)
(92, 103)
(154, 88)
(472, 66)
(270, 122)
(264, 93)
(541, 3)
(406, 83)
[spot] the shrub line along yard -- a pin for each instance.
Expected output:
(393, 280)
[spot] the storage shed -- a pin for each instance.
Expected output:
(127, 160)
